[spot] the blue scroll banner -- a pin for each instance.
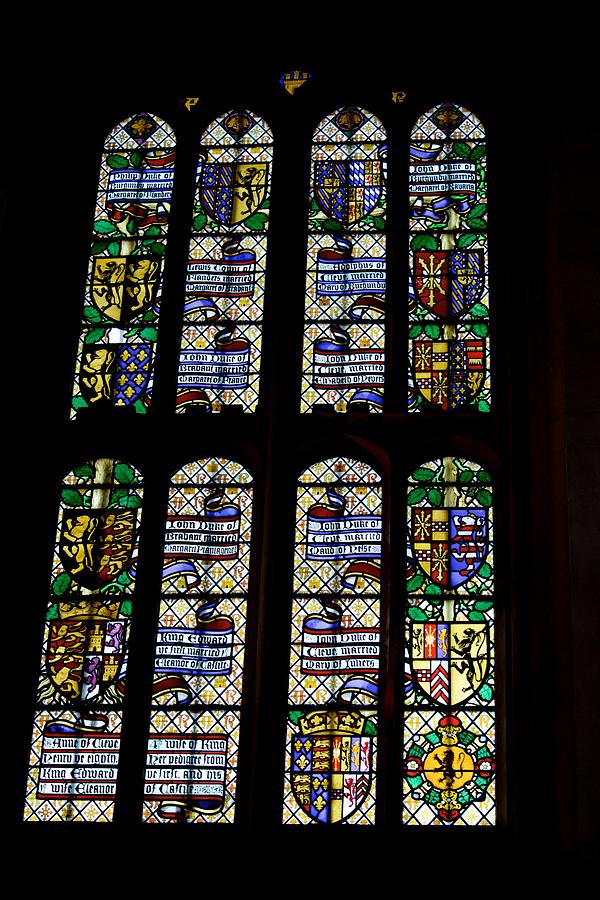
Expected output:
(226, 367)
(186, 772)
(79, 760)
(328, 647)
(333, 535)
(337, 365)
(456, 180)
(204, 650)
(341, 275)
(140, 186)
(231, 277)
(214, 535)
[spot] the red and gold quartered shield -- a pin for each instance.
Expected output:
(331, 756)
(448, 282)
(449, 660)
(451, 373)
(123, 287)
(96, 545)
(85, 655)
(232, 192)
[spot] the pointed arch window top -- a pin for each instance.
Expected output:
(339, 469)
(448, 121)
(350, 123)
(140, 130)
(237, 126)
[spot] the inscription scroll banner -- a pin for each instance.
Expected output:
(215, 535)
(77, 766)
(180, 767)
(227, 366)
(232, 277)
(440, 178)
(126, 185)
(346, 537)
(338, 369)
(195, 651)
(337, 365)
(338, 274)
(332, 534)
(216, 369)
(339, 650)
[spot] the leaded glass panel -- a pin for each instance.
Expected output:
(449, 722)
(117, 344)
(219, 361)
(448, 259)
(77, 729)
(199, 659)
(344, 328)
(334, 661)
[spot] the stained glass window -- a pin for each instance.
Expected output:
(219, 362)
(340, 734)
(334, 663)
(449, 723)
(77, 727)
(343, 352)
(115, 359)
(449, 293)
(199, 660)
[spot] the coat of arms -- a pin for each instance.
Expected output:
(450, 545)
(449, 373)
(347, 190)
(232, 192)
(449, 660)
(331, 757)
(448, 282)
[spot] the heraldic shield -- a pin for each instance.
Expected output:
(449, 660)
(85, 655)
(450, 545)
(115, 373)
(449, 374)
(448, 282)
(96, 545)
(123, 287)
(232, 192)
(331, 757)
(347, 190)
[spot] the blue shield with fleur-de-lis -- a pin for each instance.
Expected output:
(115, 374)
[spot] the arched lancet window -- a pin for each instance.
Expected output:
(334, 663)
(219, 362)
(117, 345)
(194, 731)
(343, 352)
(77, 727)
(449, 727)
(449, 292)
